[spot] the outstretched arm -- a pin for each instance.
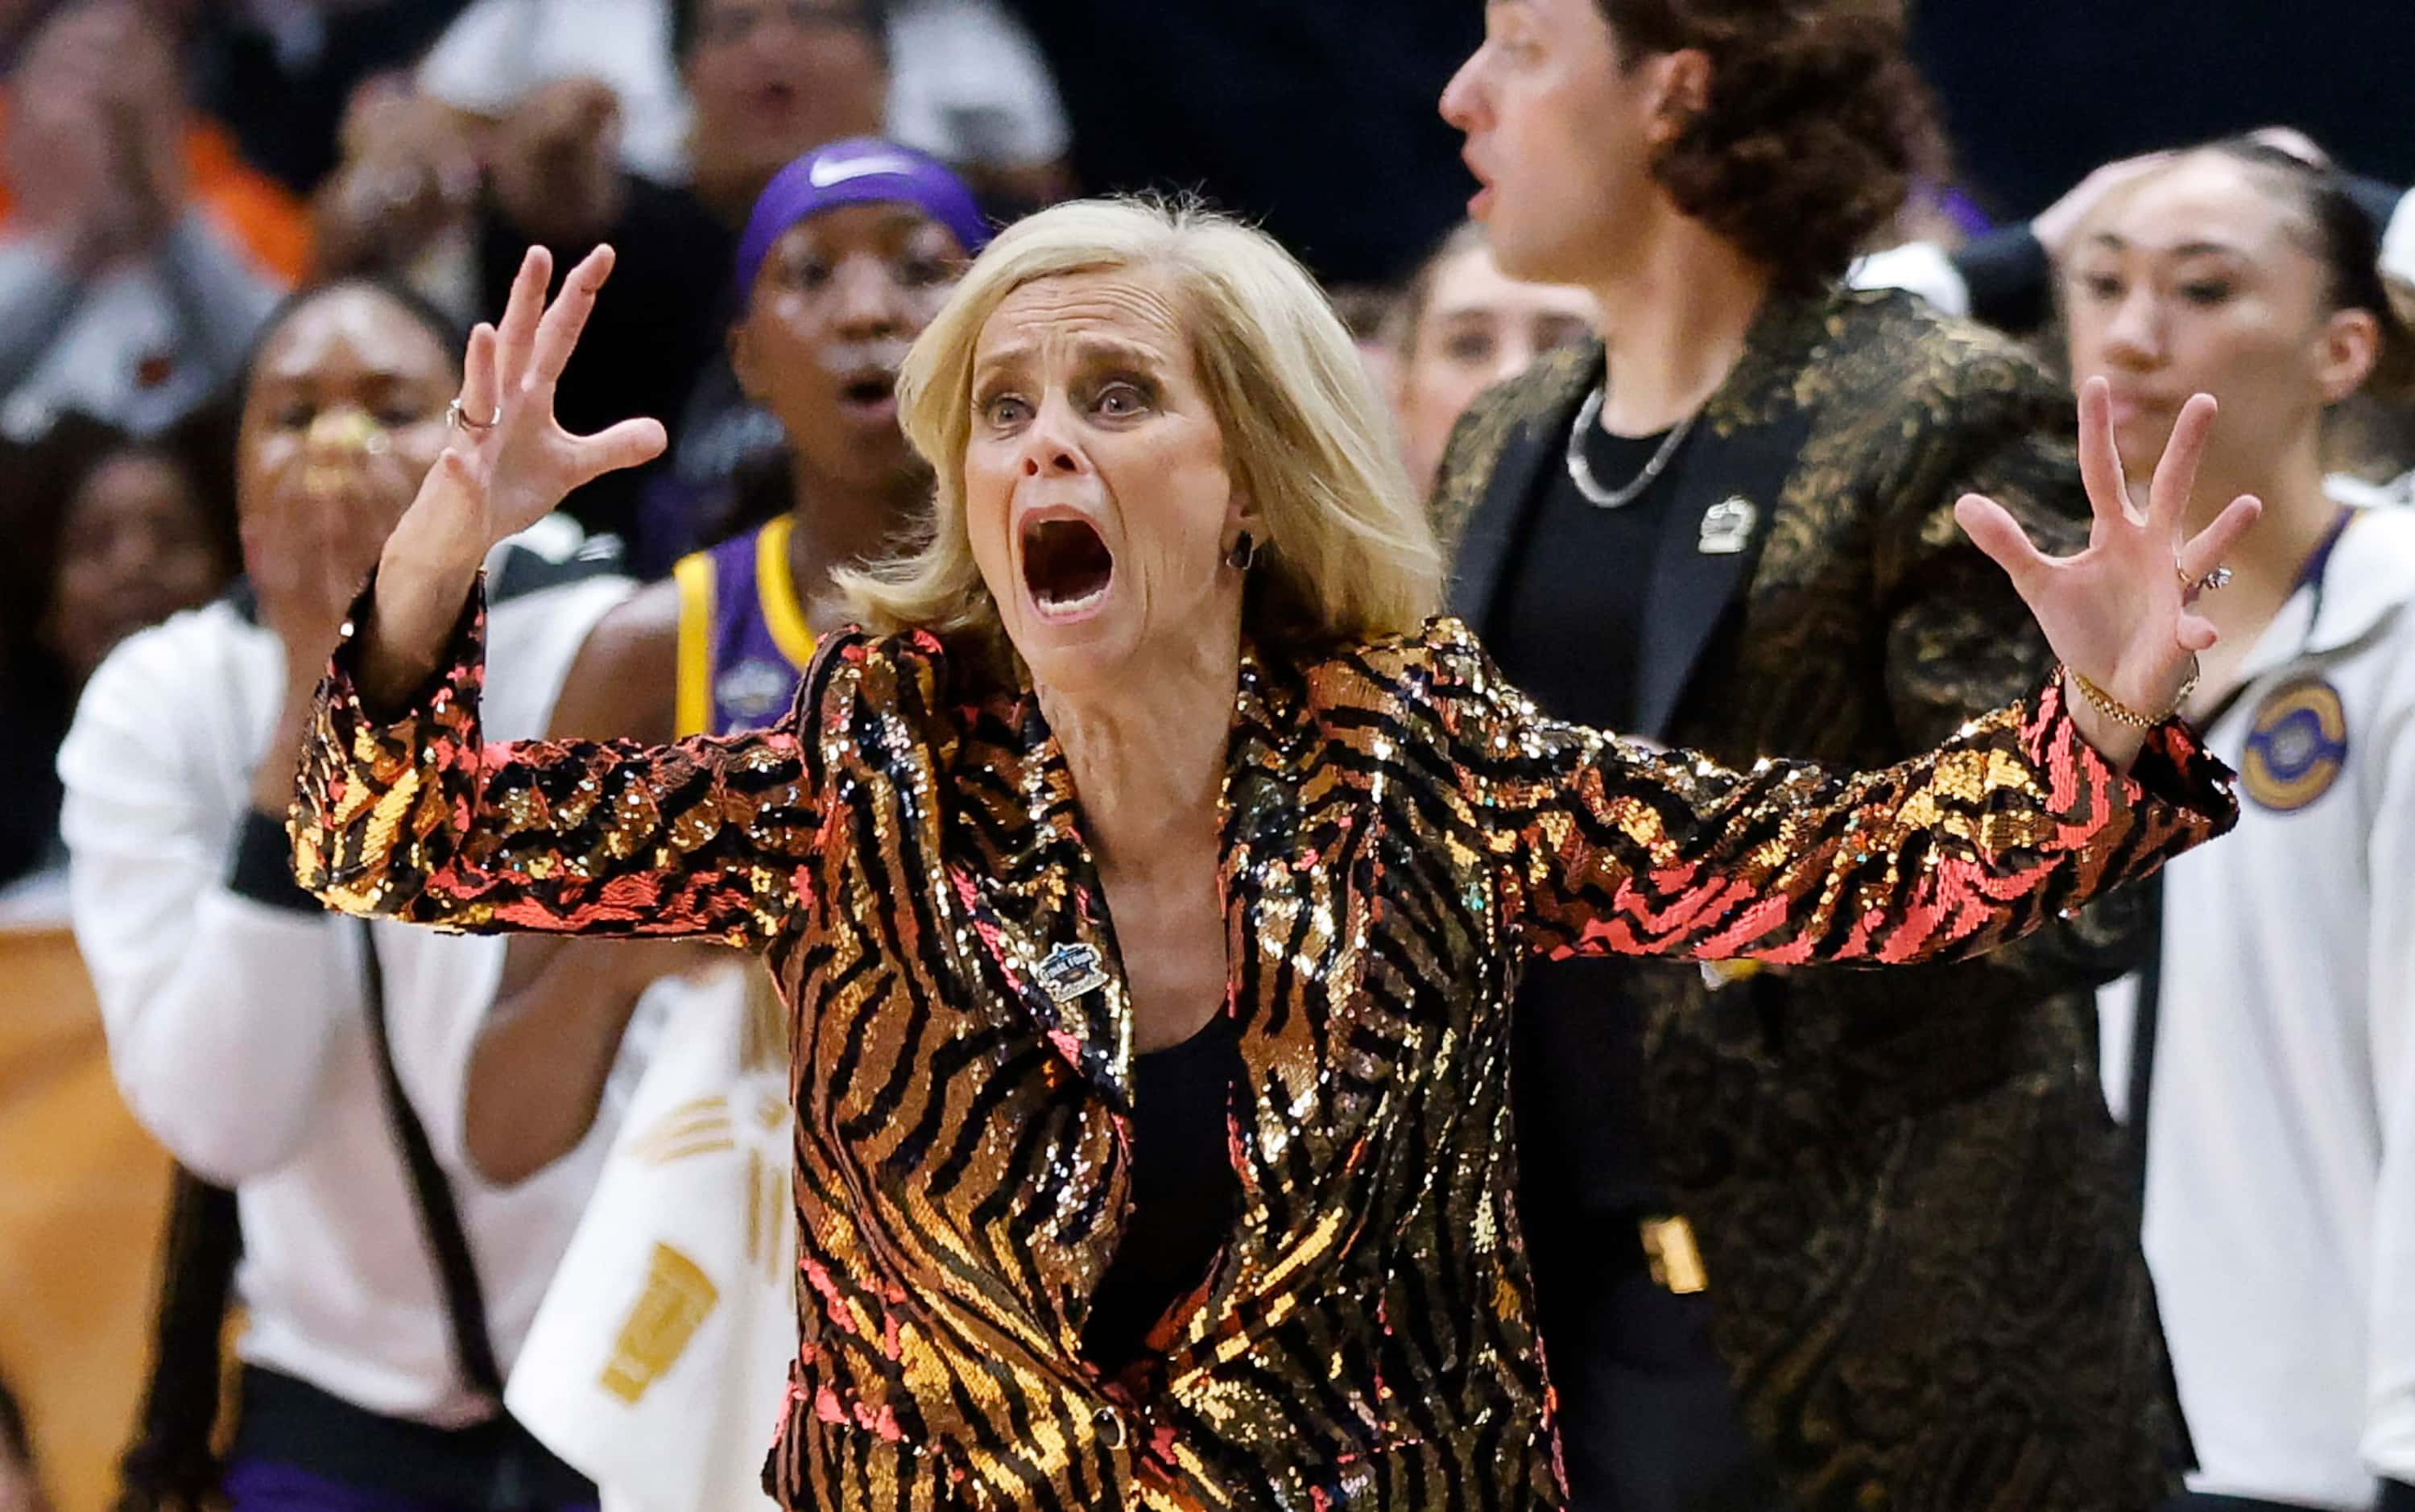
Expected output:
(1617, 849)
(2022, 815)
(414, 817)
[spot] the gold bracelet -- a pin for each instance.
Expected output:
(2122, 713)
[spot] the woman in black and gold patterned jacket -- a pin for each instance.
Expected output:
(1149, 885)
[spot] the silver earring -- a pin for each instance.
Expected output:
(1244, 554)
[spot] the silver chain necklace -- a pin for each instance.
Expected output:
(1581, 473)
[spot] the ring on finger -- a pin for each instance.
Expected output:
(459, 419)
(2192, 587)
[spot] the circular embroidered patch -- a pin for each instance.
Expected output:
(2297, 746)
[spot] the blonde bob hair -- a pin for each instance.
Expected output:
(1345, 549)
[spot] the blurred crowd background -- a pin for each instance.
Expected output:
(170, 169)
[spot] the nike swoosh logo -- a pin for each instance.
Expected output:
(825, 173)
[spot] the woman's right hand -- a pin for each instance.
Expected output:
(511, 461)
(509, 464)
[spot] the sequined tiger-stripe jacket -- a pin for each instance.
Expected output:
(1399, 829)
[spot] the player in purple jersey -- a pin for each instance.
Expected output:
(850, 252)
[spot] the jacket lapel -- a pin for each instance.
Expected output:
(1530, 433)
(1729, 487)
(1727, 491)
(1029, 889)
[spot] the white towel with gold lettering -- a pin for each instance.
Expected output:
(657, 1366)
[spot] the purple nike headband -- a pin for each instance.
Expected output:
(858, 171)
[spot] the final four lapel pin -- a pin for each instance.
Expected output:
(1727, 526)
(1069, 970)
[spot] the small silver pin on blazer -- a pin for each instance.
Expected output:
(1727, 526)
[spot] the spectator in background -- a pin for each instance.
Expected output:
(500, 52)
(311, 1067)
(406, 197)
(133, 533)
(769, 80)
(2269, 1065)
(969, 85)
(21, 1478)
(410, 202)
(281, 73)
(2006, 277)
(965, 82)
(137, 254)
(1462, 326)
(105, 535)
(1827, 1240)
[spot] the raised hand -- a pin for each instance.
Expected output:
(554, 162)
(509, 464)
(2055, 224)
(409, 173)
(2118, 613)
(512, 461)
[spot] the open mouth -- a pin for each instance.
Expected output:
(774, 100)
(868, 391)
(1066, 565)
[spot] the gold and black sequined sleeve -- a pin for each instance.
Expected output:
(417, 818)
(1613, 848)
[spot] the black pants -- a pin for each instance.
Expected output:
(1648, 1417)
(494, 1467)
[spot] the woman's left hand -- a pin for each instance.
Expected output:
(2118, 613)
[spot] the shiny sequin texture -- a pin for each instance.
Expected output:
(1400, 830)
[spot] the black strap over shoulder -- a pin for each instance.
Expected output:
(440, 1217)
(172, 1465)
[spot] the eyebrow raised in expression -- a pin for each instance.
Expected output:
(1090, 353)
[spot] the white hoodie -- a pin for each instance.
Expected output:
(2280, 1218)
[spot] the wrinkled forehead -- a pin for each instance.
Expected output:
(1070, 314)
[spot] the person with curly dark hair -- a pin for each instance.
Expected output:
(1808, 1239)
